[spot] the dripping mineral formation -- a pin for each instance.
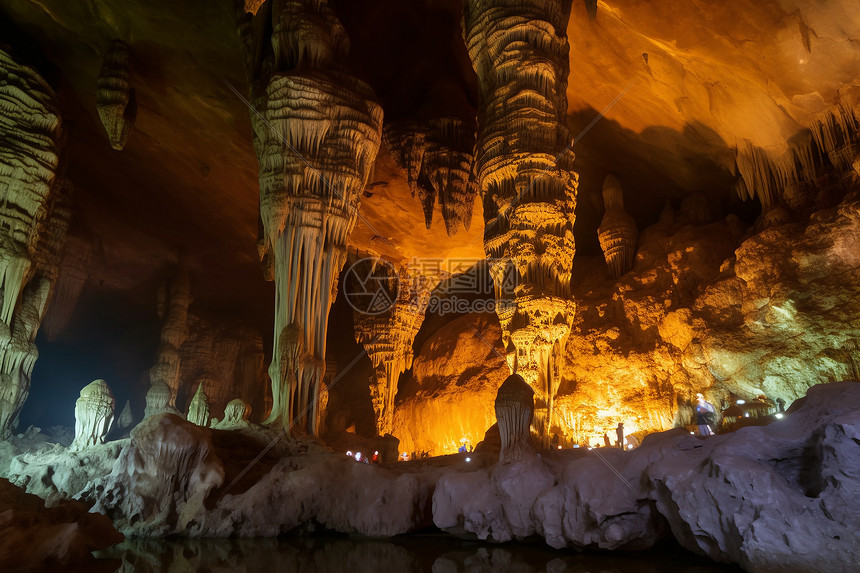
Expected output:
(115, 96)
(317, 130)
(94, 412)
(33, 224)
(524, 167)
(617, 232)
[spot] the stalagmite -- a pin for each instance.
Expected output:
(437, 156)
(34, 217)
(173, 333)
(514, 412)
(388, 337)
(198, 410)
(125, 417)
(94, 412)
(617, 231)
(235, 415)
(115, 98)
(317, 130)
(524, 167)
(158, 400)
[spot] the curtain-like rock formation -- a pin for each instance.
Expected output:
(34, 217)
(617, 231)
(515, 407)
(317, 130)
(73, 275)
(388, 336)
(115, 98)
(524, 167)
(94, 412)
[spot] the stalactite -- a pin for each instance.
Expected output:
(388, 336)
(115, 97)
(94, 412)
(316, 137)
(34, 217)
(173, 333)
(514, 412)
(837, 135)
(617, 231)
(437, 156)
(524, 168)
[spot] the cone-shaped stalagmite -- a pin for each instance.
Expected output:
(316, 132)
(524, 167)
(617, 231)
(115, 99)
(174, 331)
(515, 407)
(34, 217)
(198, 410)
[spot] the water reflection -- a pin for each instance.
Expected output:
(420, 553)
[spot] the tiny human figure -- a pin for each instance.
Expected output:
(375, 458)
(606, 440)
(462, 449)
(471, 448)
(703, 410)
(780, 404)
(619, 433)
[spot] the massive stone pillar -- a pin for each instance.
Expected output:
(388, 332)
(317, 130)
(34, 217)
(524, 168)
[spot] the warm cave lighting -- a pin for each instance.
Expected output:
(559, 447)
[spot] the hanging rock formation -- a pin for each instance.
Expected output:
(437, 156)
(515, 408)
(115, 98)
(317, 130)
(94, 412)
(388, 336)
(34, 217)
(617, 231)
(524, 167)
(173, 333)
(198, 410)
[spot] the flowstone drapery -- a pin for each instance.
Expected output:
(34, 217)
(515, 407)
(524, 167)
(317, 130)
(94, 412)
(173, 333)
(388, 336)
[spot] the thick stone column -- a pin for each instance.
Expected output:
(524, 168)
(317, 130)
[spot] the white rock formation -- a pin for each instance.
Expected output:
(115, 98)
(524, 169)
(34, 217)
(94, 412)
(515, 408)
(198, 409)
(617, 231)
(316, 132)
(158, 400)
(235, 415)
(125, 418)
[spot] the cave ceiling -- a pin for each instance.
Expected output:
(694, 78)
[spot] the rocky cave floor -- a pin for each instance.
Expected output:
(776, 497)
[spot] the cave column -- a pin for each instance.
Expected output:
(34, 218)
(317, 130)
(524, 168)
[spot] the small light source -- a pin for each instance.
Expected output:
(741, 402)
(692, 434)
(747, 415)
(468, 459)
(357, 456)
(629, 446)
(589, 448)
(376, 453)
(349, 453)
(575, 445)
(779, 416)
(559, 447)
